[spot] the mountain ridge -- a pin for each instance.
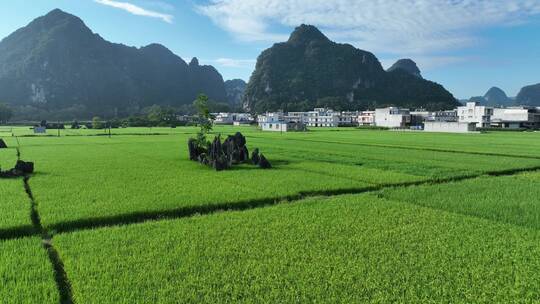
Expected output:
(407, 65)
(57, 62)
(310, 70)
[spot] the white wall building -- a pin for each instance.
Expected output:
(366, 118)
(278, 126)
(302, 117)
(449, 127)
(321, 117)
(473, 112)
(392, 117)
(448, 116)
(348, 119)
(270, 117)
(282, 126)
(516, 117)
(231, 118)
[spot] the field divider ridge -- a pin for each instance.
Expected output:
(412, 148)
(60, 276)
(186, 212)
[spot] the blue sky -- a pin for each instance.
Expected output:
(466, 45)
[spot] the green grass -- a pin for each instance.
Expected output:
(8, 157)
(510, 199)
(350, 249)
(26, 276)
(86, 178)
(14, 207)
(468, 241)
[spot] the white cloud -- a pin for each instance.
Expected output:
(136, 10)
(235, 63)
(389, 26)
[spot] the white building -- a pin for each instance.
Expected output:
(321, 117)
(473, 112)
(516, 118)
(418, 118)
(366, 118)
(302, 117)
(280, 122)
(231, 118)
(448, 116)
(270, 117)
(348, 119)
(449, 127)
(278, 126)
(392, 117)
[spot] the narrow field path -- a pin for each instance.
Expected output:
(60, 276)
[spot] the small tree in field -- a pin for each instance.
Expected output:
(97, 123)
(5, 113)
(204, 120)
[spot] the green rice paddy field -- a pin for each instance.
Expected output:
(345, 216)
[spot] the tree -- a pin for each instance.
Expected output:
(97, 123)
(204, 120)
(5, 113)
(160, 116)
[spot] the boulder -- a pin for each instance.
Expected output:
(221, 163)
(193, 149)
(264, 163)
(255, 158)
(203, 159)
(24, 167)
(21, 169)
(235, 149)
(3, 144)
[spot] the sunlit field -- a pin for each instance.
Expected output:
(344, 215)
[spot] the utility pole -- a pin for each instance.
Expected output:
(58, 127)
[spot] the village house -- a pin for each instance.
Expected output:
(449, 126)
(231, 118)
(475, 113)
(366, 118)
(348, 119)
(392, 117)
(516, 118)
(322, 117)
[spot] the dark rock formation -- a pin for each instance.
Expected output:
(24, 167)
(235, 148)
(193, 149)
(222, 156)
(21, 169)
(255, 158)
(3, 144)
(264, 163)
(218, 159)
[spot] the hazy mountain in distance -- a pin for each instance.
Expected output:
(57, 62)
(407, 65)
(235, 89)
(529, 96)
(496, 97)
